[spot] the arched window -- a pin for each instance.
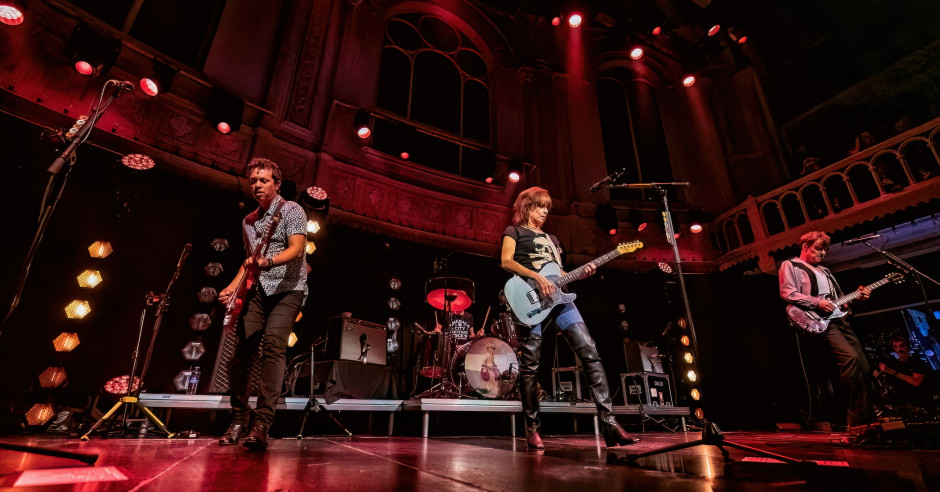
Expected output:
(434, 82)
(632, 129)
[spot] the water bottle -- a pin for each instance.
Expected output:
(193, 383)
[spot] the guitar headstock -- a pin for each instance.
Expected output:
(624, 248)
(895, 278)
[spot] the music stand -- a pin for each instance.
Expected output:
(711, 435)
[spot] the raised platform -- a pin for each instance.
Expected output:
(425, 405)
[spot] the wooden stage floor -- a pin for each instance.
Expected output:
(579, 463)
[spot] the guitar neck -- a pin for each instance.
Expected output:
(579, 272)
(851, 297)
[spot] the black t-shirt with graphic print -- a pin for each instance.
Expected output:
(534, 250)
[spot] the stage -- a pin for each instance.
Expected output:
(569, 462)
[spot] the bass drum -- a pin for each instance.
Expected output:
(489, 365)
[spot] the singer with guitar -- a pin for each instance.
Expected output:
(526, 250)
(805, 283)
(273, 281)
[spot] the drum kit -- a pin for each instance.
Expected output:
(484, 366)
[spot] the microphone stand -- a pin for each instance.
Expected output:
(133, 394)
(918, 276)
(55, 187)
(711, 434)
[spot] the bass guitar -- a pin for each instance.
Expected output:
(530, 308)
(233, 307)
(817, 321)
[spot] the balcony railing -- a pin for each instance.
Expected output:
(896, 173)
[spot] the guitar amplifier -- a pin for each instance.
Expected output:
(642, 357)
(648, 388)
(356, 340)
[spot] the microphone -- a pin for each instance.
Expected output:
(610, 178)
(123, 85)
(862, 239)
(186, 250)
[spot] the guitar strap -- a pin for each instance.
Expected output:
(814, 290)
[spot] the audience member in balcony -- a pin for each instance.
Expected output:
(810, 165)
(526, 250)
(809, 285)
(864, 140)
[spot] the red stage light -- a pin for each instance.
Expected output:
(574, 20)
(656, 30)
(364, 131)
(714, 29)
(405, 155)
(742, 40)
(11, 15)
(688, 81)
(612, 232)
(514, 176)
(636, 53)
(695, 228)
(641, 227)
(678, 234)
(488, 180)
(556, 21)
(84, 67)
(149, 86)
(223, 127)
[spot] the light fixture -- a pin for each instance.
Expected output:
(225, 111)
(91, 53)
(52, 377)
(393, 324)
(213, 269)
(89, 279)
(691, 375)
(207, 294)
(687, 357)
(514, 171)
(193, 350)
(219, 244)
(700, 414)
(200, 321)
(688, 80)
(665, 267)
(118, 385)
(181, 381)
(714, 30)
(292, 339)
(158, 80)
(394, 304)
(682, 323)
(657, 30)
(139, 162)
(12, 12)
(695, 394)
(685, 340)
(77, 309)
(315, 200)
(65, 342)
(313, 226)
(636, 53)
(737, 35)
(394, 284)
(695, 228)
(100, 249)
(363, 122)
(309, 247)
(574, 20)
(636, 219)
(39, 414)
(405, 156)
(606, 218)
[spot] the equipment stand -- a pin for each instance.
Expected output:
(312, 403)
(711, 435)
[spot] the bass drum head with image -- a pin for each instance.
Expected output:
(490, 366)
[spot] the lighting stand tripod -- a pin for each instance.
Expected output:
(133, 394)
(711, 435)
(312, 403)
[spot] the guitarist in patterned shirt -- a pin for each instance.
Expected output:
(805, 283)
(271, 304)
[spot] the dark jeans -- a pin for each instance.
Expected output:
(853, 372)
(268, 320)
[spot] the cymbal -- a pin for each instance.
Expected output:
(459, 291)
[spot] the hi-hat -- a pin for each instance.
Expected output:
(459, 291)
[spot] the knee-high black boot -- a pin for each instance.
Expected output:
(529, 352)
(583, 346)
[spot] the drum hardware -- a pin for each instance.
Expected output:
(448, 294)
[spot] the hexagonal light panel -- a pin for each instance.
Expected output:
(39, 414)
(193, 350)
(219, 244)
(100, 249)
(182, 380)
(77, 309)
(292, 339)
(65, 342)
(207, 294)
(52, 377)
(200, 322)
(89, 279)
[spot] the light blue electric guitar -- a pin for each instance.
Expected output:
(523, 294)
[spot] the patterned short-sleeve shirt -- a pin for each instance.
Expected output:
(288, 276)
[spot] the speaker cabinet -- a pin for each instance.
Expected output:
(356, 340)
(642, 357)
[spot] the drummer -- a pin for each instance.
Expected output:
(460, 327)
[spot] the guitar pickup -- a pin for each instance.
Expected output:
(533, 297)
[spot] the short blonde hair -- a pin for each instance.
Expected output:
(526, 201)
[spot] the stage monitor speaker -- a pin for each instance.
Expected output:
(356, 340)
(648, 388)
(642, 357)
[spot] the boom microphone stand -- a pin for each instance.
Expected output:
(918, 277)
(312, 403)
(711, 435)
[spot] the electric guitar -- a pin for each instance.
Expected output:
(817, 321)
(233, 307)
(523, 295)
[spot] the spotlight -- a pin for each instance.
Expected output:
(207, 295)
(405, 156)
(393, 324)
(225, 111)
(394, 304)
(695, 394)
(118, 385)
(363, 124)
(607, 219)
(100, 249)
(685, 340)
(636, 53)
(695, 228)
(65, 342)
(159, 80)
(636, 219)
(657, 30)
(315, 199)
(90, 52)
(213, 269)
(688, 80)
(77, 309)
(313, 226)
(665, 267)
(219, 244)
(39, 414)
(394, 284)
(714, 29)
(52, 377)
(139, 162)
(12, 12)
(700, 414)
(687, 357)
(574, 20)
(515, 171)
(89, 279)
(737, 35)
(691, 375)
(556, 21)
(193, 350)
(292, 339)
(309, 247)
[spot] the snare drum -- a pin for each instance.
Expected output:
(489, 365)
